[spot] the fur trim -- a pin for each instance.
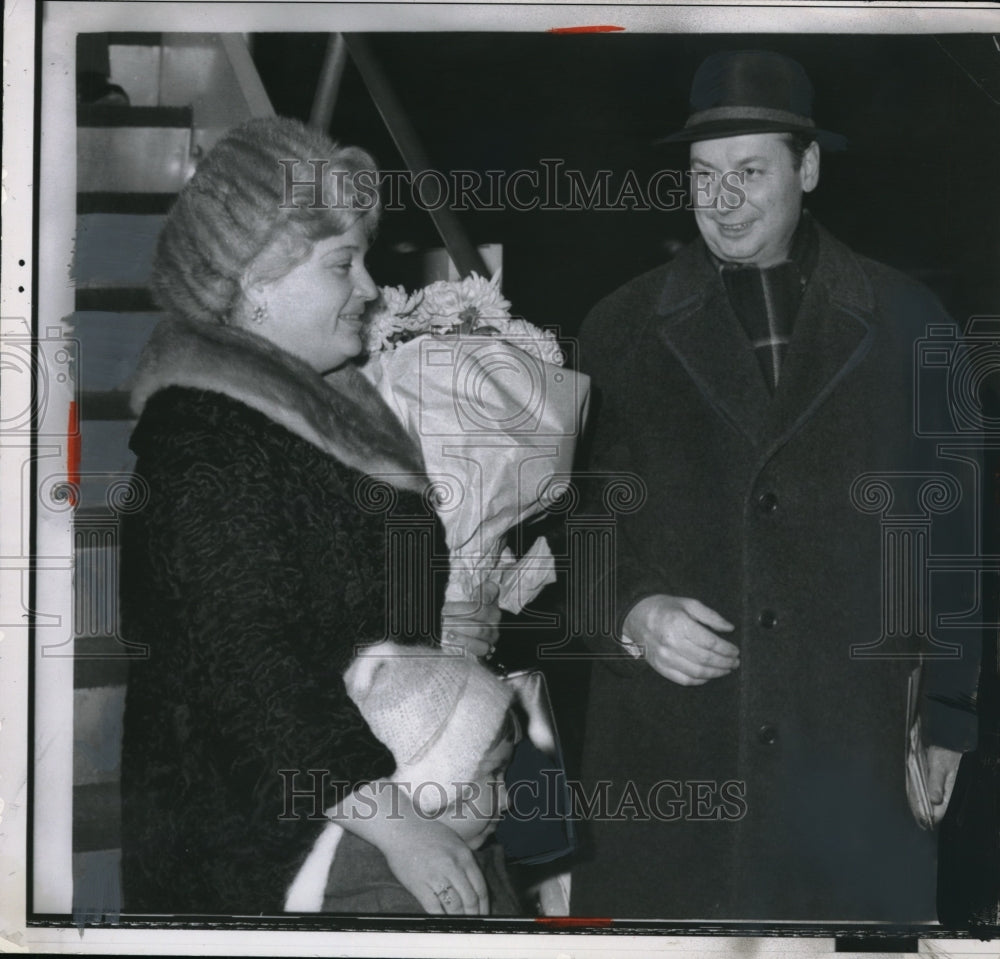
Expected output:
(341, 414)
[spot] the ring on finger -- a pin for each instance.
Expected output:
(447, 896)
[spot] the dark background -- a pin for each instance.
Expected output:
(917, 188)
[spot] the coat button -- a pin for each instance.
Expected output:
(767, 618)
(767, 735)
(767, 502)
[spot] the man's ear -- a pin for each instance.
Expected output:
(809, 170)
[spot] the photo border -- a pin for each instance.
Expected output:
(35, 739)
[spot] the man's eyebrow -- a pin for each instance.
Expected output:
(697, 161)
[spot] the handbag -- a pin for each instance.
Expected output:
(538, 826)
(916, 775)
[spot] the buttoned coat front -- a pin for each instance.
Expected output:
(777, 791)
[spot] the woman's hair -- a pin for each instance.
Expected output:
(271, 186)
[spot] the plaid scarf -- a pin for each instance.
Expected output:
(767, 300)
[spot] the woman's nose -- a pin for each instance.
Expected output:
(364, 285)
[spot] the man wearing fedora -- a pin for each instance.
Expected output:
(747, 720)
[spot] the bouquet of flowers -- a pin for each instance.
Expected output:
(495, 413)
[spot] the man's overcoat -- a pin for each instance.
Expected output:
(777, 791)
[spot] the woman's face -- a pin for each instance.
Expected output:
(314, 310)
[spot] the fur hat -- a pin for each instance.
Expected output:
(438, 711)
(243, 194)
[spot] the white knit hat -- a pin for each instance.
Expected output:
(437, 710)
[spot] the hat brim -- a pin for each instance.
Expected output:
(719, 129)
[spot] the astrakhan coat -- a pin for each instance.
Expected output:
(777, 791)
(278, 524)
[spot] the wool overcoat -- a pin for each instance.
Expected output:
(776, 792)
(257, 557)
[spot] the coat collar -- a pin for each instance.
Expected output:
(832, 333)
(341, 414)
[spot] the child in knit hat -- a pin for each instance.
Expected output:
(449, 724)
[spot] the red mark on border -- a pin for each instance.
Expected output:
(600, 28)
(73, 451)
(573, 922)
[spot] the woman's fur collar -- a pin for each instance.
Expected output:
(341, 414)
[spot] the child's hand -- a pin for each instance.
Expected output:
(473, 625)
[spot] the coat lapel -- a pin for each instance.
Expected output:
(697, 324)
(833, 332)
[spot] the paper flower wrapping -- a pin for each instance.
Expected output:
(495, 414)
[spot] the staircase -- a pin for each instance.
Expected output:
(184, 92)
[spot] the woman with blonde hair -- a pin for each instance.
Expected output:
(272, 486)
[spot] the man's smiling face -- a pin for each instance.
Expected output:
(757, 232)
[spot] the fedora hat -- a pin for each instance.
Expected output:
(751, 91)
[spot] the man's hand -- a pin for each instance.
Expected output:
(942, 766)
(679, 639)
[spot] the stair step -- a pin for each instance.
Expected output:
(135, 38)
(106, 462)
(137, 68)
(111, 405)
(97, 816)
(129, 158)
(94, 488)
(115, 249)
(97, 886)
(102, 661)
(97, 734)
(109, 347)
(128, 203)
(118, 115)
(110, 299)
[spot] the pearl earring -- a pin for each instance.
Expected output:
(259, 313)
